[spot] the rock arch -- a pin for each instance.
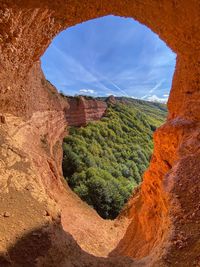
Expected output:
(164, 216)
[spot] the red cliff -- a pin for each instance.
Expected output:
(82, 110)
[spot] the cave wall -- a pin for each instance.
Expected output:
(164, 216)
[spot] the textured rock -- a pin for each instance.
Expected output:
(111, 100)
(163, 216)
(82, 110)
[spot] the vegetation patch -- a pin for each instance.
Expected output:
(104, 161)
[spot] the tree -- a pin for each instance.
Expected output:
(104, 161)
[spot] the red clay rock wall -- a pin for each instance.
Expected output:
(164, 215)
(82, 110)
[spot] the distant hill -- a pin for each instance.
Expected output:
(104, 161)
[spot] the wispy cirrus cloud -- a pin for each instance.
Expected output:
(157, 86)
(110, 54)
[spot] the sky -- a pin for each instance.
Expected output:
(110, 56)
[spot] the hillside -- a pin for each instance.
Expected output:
(104, 161)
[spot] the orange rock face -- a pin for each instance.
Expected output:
(82, 110)
(45, 223)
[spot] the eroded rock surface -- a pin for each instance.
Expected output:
(82, 110)
(159, 226)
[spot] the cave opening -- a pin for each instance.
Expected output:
(106, 153)
(161, 230)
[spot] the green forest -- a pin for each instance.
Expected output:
(104, 161)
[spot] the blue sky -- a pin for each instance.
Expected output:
(110, 55)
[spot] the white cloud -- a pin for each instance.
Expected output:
(155, 98)
(88, 91)
(167, 95)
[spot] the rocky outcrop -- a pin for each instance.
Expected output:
(41, 220)
(111, 100)
(82, 110)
